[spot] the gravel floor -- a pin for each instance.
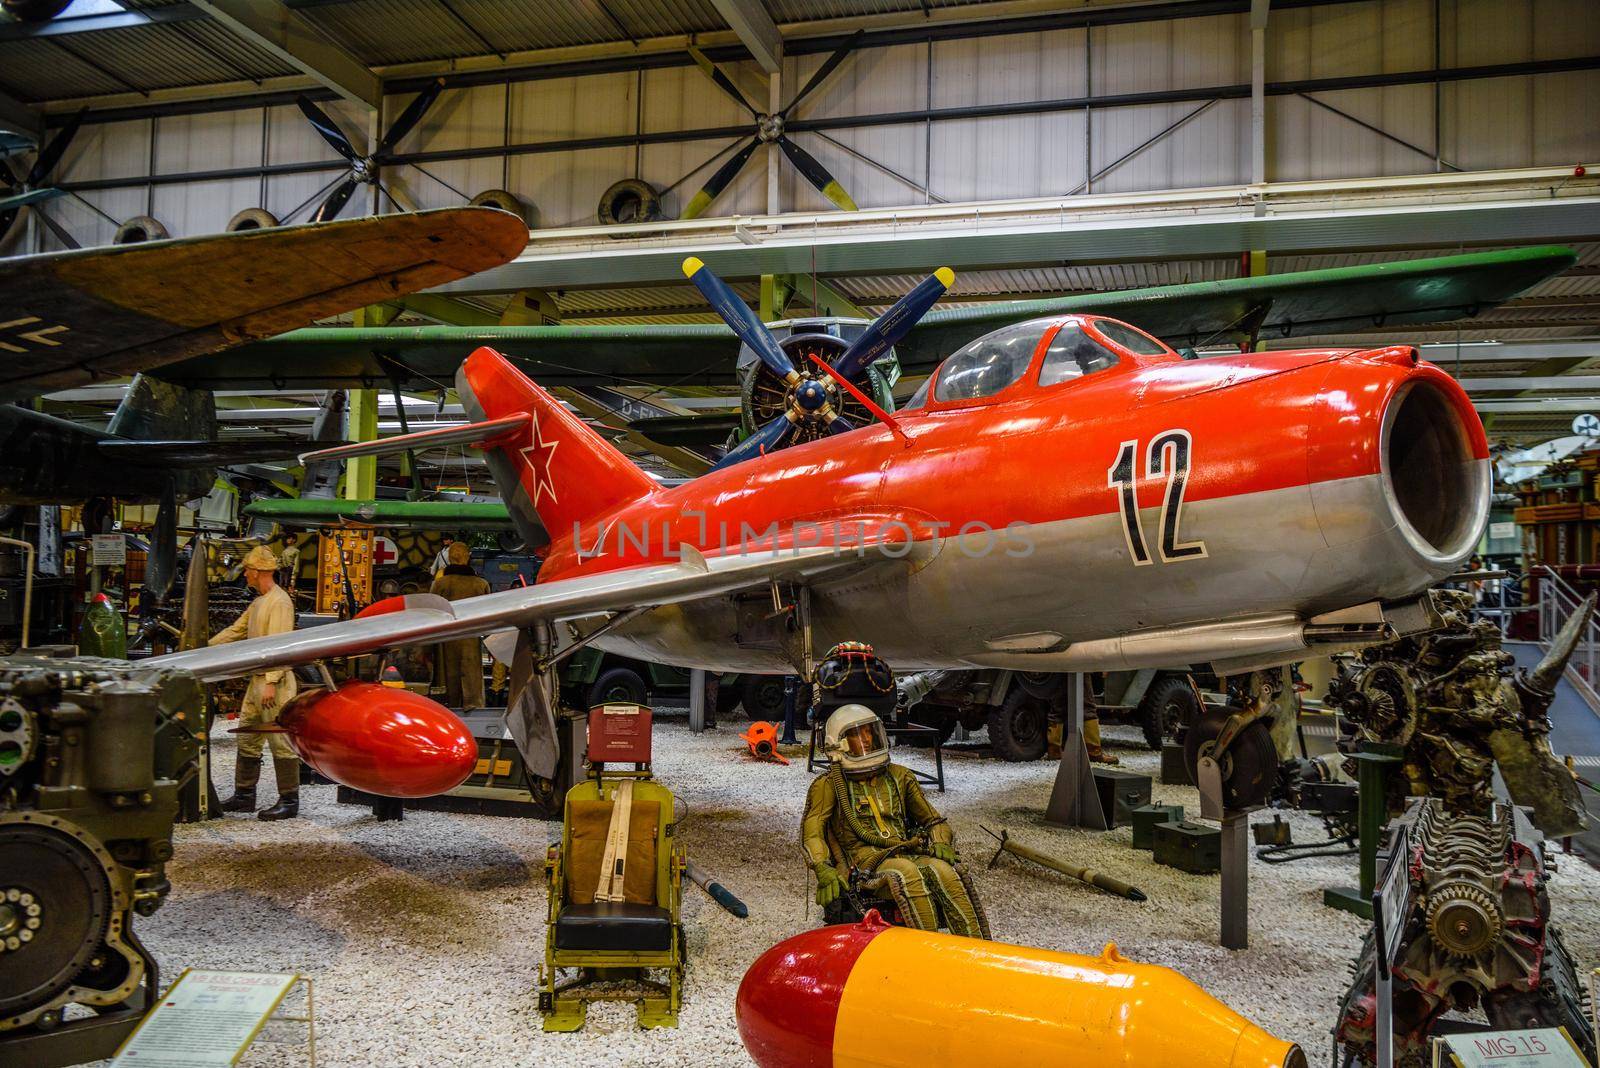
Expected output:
(424, 936)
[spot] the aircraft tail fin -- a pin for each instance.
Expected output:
(555, 473)
(153, 410)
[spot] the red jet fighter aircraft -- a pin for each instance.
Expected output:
(1066, 494)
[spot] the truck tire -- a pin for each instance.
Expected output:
(728, 699)
(943, 722)
(1168, 704)
(1044, 685)
(619, 684)
(762, 697)
(1017, 728)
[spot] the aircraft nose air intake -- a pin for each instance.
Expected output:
(1435, 473)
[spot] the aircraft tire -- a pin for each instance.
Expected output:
(1249, 767)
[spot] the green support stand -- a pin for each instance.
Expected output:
(1372, 785)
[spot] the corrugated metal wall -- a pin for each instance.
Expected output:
(1507, 122)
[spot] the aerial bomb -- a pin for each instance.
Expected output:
(853, 996)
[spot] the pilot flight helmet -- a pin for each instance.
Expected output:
(854, 738)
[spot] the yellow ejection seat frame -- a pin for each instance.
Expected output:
(610, 942)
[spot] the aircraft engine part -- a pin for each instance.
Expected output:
(380, 740)
(138, 229)
(506, 200)
(895, 997)
(93, 756)
(252, 219)
(629, 201)
(1478, 936)
(1449, 698)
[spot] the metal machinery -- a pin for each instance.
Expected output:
(93, 757)
(1477, 936)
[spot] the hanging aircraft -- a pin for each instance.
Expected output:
(1063, 494)
(82, 316)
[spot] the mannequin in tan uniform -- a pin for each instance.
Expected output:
(458, 666)
(272, 612)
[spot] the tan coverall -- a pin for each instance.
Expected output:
(270, 613)
(458, 665)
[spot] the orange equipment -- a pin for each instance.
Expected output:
(762, 738)
(850, 996)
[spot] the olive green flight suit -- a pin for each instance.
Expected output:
(885, 826)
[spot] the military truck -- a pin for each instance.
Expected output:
(591, 677)
(1015, 706)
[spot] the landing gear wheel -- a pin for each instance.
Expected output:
(1168, 705)
(1018, 728)
(1249, 767)
(55, 905)
(619, 685)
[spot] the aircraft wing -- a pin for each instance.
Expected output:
(1297, 304)
(554, 356)
(1302, 303)
(200, 453)
(67, 318)
(413, 515)
(425, 618)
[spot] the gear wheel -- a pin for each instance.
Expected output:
(1464, 919)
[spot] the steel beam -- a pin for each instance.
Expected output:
(271, 26)
(1538, 406)
(1538, 382)
(19, 118)
(1446, 354)
(750, 20)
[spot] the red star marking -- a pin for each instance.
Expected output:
(539, 454)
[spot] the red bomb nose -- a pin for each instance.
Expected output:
(788, 1002)
(380, 740)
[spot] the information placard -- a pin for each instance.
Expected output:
(1545, 1047)
(206, 1019)
(108, 550)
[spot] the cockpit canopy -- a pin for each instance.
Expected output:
(1073, 346)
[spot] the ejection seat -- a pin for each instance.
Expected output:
(619, 929)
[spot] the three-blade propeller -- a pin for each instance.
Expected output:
(769, 131)
(33, 189)
(364, 169)
(812, 395)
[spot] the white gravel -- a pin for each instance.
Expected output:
(424, 936)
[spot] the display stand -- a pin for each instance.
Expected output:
(1373, 763)
(697, 700)
(211, 1018)
(791, 702)
(1234, 931)
(1074, 801)
(1389, 903)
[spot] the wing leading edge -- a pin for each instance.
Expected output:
(431, 619)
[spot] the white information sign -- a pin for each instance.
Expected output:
(206, 1019)
(1547, 1047)
(1503, 531)
(108, 550)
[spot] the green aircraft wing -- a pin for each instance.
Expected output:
(411, 515)
(1300, 304)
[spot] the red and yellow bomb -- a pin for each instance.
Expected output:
(892, 997)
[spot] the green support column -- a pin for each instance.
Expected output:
(361, 419)
(776, 292)
(1373, 766)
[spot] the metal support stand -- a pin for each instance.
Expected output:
(1235, 881)
(791, 697)
(1372, 785)
(1234, 930)
(697, 700)
(1074, 801)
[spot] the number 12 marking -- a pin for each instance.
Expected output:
(1167, 454)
